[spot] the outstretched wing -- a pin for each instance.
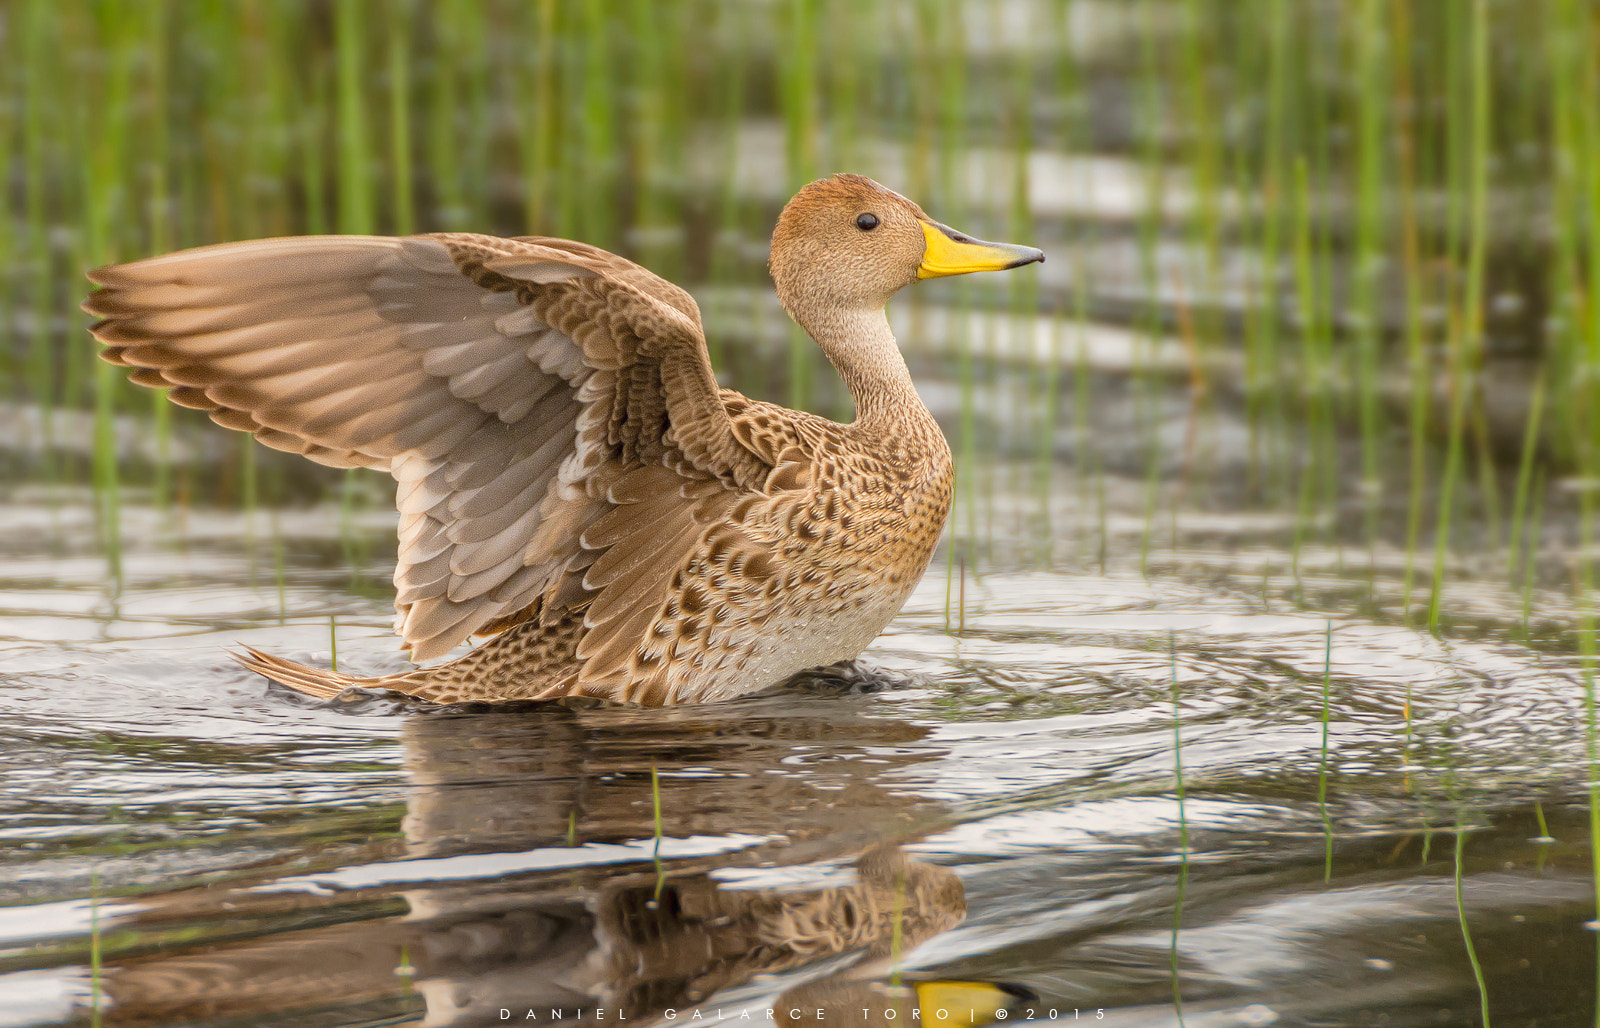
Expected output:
(519, 391)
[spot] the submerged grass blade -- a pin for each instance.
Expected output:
(1586, 643)
(1466, 932)
(96, 988)
(655, 811)
(1183, 828)
(1322, 764)
(897, 941)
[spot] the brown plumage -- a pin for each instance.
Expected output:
(571, 481)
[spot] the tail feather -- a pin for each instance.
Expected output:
(313, 681)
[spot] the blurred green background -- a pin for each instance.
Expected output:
(1329, 261)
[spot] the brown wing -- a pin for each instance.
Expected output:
(521, 392)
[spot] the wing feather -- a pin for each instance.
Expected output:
(546, 408)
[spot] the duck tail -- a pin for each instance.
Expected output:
(303, 678)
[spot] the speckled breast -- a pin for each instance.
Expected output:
(847, 547)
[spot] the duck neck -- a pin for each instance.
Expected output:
(862, 348)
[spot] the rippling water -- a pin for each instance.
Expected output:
(987, 799)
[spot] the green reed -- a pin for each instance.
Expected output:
(477, 132)
(250, 488)
(851, 28)
(278, 572)
(1577, 137)
(1088, 474)
(1370, 62)
(157, 200)
(535, 92)
(1517, 543)
(1530, 561)
(597, 114)
(357, 213)
(1574, 130)
(38, 37)
(100, 120)
(1197, 285)
(1042, 383)
(1314, 371)
(1312, 142)
(1466, 337)
(1405, 145)
(400, 156)
(10, 360)
(939, 113)
(356, 203)
(1325, 404)
(1265, 364)
(966, 449)
(799, 106)
(726, 205)
(442, 145)
(1152, 108)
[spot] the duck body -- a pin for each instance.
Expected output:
(803, 574)
(572, 483)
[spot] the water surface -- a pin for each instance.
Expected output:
(989, 795)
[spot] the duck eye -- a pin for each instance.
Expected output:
(867, 222)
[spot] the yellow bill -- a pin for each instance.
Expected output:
(955, 1004)
(955, 253)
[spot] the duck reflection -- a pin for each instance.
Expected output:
(645, 946)
(802, 793)
(492, 781)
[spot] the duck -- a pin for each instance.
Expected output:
(576, 491)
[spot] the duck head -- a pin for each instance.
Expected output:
(848, 243)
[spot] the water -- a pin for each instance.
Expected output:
(1204, 453)
(996, 776)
